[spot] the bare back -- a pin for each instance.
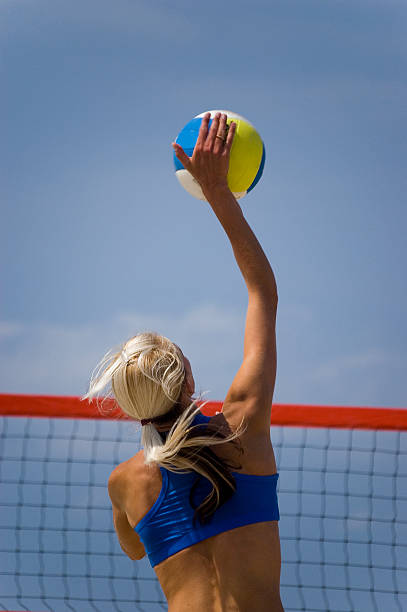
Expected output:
(237, 570)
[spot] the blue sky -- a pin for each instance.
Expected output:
(98, 240)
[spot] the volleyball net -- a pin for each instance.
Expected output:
(342, 497)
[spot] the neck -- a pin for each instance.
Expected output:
(167, 420)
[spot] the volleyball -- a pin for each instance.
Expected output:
(247, 155)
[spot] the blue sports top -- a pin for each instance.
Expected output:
(168, 526)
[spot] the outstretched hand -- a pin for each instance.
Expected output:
(209, 163)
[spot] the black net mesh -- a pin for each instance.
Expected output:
(343, 505)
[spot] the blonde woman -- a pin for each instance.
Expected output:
(200, 498)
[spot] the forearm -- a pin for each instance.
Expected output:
(249, 255)
(209, 166)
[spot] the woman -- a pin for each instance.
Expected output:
(200, 498)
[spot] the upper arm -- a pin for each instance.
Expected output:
(251, 392)
(128, 538)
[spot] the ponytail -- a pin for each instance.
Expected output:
(146, 377)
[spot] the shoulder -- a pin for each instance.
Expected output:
(134, 486)
(131, 471)
(134, 467)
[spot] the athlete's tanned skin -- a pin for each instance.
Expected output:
(238, 570)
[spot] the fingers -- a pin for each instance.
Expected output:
(230, 136)
(222, 126)
(181, 155)
(220, 138)
(203, 131)
(210, 140)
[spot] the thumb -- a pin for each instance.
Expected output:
(181, 155)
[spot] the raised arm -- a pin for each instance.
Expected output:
(251, 392)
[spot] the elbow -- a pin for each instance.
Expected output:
(273, 288)
(139, 557)
(264, 286)
(266, 292)
(132, 556)
(269, 285)
(273, 294)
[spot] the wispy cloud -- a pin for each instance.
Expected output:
(338, 366)
(9, 329)
(370, 376)
(58, 359)
(50, 358)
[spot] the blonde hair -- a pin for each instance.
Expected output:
(146, 376)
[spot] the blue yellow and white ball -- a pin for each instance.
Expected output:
(247, 155)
